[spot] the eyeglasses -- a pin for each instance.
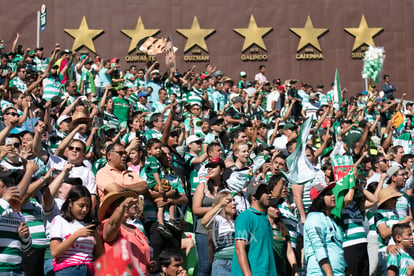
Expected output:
(16, 145)
(12, 114)
(78, 149)
(383, 160)
(120, 152)
(402, 174)
(198, 142)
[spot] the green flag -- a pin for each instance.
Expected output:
(341, 188)
(337, 96)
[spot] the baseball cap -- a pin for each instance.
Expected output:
(63, 118)
(289, 125)
(238, 99)
(215, 162)
(142, 94)
(213, 121)
(114, 60)
(319, 188)
(243, 74)
(192, 139)
(393, 169)
(155, 72)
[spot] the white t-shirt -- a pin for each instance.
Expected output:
(80, 252)
(273, 96)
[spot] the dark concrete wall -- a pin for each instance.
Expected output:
(395, 16)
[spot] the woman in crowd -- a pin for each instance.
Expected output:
(74, 240)
(322, 236)
(220, 221)
(202, 203)
(114, 213)
(282, 247)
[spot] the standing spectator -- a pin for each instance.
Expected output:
(388, 88)
(15, 231)
(73, 240)
(222, 232)
(322, 236)
(261, 77)
(114, 213)
(253, 234)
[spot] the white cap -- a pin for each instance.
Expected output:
(62, 118)
(192, 139)
(243, 74)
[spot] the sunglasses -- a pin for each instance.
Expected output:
(78, 149)
(121, 152)
(12, 114)
(16, 145)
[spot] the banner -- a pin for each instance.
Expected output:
(341, 165)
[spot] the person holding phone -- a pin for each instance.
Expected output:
(74, 241)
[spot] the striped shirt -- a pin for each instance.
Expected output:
(291, 222)
(223, 238)
(81, 251)
(11, 244)
(32, 212)
(389, 217)
(401, 261)
(52, 87)
(20, 84)
(353, 221)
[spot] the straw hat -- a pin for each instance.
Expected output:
(79, 117)
(111, 198)
(386, 194)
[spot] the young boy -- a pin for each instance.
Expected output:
(401, 264)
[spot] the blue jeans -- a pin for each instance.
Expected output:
(202, 252)
(48, 267)
(382, 263)
(76, 270)
(221, 267)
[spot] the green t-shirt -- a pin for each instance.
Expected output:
(121, 109)
(253, 227)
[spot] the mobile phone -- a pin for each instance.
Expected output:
(95, 223)
(9, 140)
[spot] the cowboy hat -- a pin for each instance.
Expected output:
(79, 117)
(386, 194)
(111, 198)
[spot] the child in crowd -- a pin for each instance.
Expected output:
(401, 263)
(155, 176)
(74, 241)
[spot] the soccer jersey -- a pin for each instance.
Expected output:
(20, 84)
(11, 244)
(389, 218)
(401, 261)
(52, 86)
(354, 232)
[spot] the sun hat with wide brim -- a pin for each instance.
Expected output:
(79, 117)
(111, 198)
(386, 194)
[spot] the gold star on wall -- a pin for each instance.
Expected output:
(253, 34)
(83, 36)
(309, 35)
(195, 36)
(138, 33)
(363, 34)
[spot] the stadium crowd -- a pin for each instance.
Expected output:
(196, 171)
